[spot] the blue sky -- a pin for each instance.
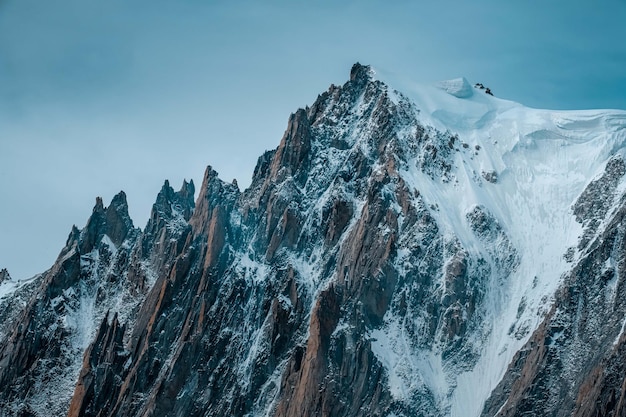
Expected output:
(98, 96)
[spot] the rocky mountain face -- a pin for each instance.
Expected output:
(422, 253)
(107, 266)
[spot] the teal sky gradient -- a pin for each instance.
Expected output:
(98, 96)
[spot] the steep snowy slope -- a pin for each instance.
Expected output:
(406, 250)
(527, 167)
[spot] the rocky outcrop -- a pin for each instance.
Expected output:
(103, 364)
(114, 222)
(12, 304)
(593, 204)
(4, 275)
(37, 335)
(166, 232)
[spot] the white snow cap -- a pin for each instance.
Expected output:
(458, 87)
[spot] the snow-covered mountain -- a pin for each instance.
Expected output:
(407, 250)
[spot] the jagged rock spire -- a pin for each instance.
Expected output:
(182, 200)
(4, 275)
(294, 150)
(360, 73)
(113, 221)
(118, 221)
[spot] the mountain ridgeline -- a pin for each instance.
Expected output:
(415, 253)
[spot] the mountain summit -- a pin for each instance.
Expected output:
(4, 275)
(406, 250)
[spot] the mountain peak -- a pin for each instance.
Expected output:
(374, 267)
(4, 275)
(188, 188)
(120, 205)
(113, 221)
(119, 223)
(182, 201)
(99, 205)
(361, 73)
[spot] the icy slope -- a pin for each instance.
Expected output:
(526, 167)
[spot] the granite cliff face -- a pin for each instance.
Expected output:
(392, 257)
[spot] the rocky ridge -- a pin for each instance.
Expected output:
(372, 268)
(102, 267)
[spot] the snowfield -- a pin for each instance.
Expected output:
(542, 160)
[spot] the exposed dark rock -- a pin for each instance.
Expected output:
(4, 275)
(592, 205)
(101, 265)
(339, 216)
(490, 176)
(292, 156)
(100, 376)
(497, 243)
(360, 74)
